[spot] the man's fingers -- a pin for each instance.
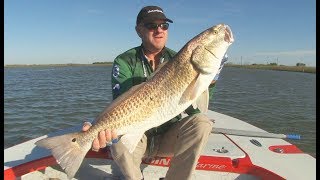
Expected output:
(86, 126)
(108, 135)
(114, 136)
(95, 145)
(105, 138)
(102, 139)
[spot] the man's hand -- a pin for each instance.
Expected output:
(105, 137)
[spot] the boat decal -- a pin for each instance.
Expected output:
(285, 149)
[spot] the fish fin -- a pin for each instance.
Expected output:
(203, 101)
(195, 89)
(131, 140)
(67, 151)
(186, 95)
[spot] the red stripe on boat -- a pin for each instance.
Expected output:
(285, 149)
(22, 169)
(208, 163)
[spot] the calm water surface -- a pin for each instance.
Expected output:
(41, 100)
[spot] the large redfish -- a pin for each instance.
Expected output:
(179, 83)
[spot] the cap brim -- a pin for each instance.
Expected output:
(169, 20)
(151, 19)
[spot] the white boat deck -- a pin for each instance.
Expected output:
(288, 166)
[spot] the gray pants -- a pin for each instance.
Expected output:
(183, 142)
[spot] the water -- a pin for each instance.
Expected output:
(41, 100)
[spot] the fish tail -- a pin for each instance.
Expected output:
(67, 150)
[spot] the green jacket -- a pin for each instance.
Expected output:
(131, 68)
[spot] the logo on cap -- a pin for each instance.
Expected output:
(155, 10)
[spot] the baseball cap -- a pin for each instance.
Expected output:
(151, 13)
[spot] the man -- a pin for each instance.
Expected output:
(181, 138)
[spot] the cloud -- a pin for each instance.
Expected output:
(287, 53)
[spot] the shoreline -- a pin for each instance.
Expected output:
(304, 69)
(55, 65)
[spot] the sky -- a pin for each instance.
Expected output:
(87, 31)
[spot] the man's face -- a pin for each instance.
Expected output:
(153, 39)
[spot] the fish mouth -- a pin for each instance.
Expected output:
(228, 37)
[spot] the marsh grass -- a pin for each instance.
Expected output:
(304, 69)
(56, 65)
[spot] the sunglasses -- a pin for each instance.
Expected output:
(154, 26)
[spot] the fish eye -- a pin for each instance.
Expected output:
(215, 30)
(74, 140)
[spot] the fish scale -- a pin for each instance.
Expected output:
(173, 88)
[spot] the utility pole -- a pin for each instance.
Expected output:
(241, 60)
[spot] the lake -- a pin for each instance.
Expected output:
(40, 100)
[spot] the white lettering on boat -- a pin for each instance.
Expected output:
(210, 166)
(157, 161)
(165, 161)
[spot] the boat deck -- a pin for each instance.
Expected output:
(224, 157)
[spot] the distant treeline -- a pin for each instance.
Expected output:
(103, 63)
(58, 65)
(300, 67)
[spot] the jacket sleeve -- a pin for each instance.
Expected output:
(121, 78)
